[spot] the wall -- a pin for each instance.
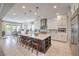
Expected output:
(37, 24)
(52, 23)
(69, 25)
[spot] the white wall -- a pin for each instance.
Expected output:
(52, 23)
(69, 26)
(37, 24)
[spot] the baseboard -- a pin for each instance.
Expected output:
(59, 41)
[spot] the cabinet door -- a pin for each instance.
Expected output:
(44, 23)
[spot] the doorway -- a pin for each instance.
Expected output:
(11, 28)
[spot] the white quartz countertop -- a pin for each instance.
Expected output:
(40, 36)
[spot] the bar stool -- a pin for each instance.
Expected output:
(35, 45)
(26, 42)
(22, 40)
(18, 38)
(29, 44)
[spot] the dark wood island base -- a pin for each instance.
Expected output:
(41, 45)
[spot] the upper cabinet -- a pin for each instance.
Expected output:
(44, 23)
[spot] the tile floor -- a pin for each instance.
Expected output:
(10, 47)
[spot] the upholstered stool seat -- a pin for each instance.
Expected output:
(35, 46)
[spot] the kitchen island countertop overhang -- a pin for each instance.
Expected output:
(40, 36)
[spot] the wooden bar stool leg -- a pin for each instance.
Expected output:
(37, 53)
(25, 45)
(32, 50)
(28, 48)
(35, 47)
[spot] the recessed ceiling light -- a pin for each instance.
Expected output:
(35, 13)
(14, 14)
(58, 17)
(23, 7)
(55, 6)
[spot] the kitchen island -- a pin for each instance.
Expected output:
(42, 39)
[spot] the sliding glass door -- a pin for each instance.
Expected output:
(11, 28)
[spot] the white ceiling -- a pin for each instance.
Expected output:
(45, 10)
(4, 8)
